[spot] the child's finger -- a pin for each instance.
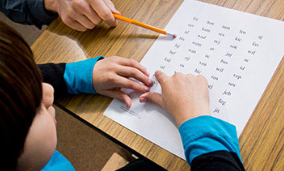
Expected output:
(161, 77)
(152, 97)
(119, 95)
(123, 82)
(134, 64)
(134, 73)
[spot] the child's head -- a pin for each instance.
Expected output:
(27, 125)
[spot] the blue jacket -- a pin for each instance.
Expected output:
(30, 12)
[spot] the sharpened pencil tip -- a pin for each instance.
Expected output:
(174, 36)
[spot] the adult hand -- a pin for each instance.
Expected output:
(113, 73)
(83, 14)
(183, 96)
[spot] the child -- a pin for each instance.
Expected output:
(27, 118)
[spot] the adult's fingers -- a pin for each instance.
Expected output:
(134, 73)
(119, 95)
(161, 77)
(134, 64)
(87, 10)
(152, 97)
(104, 12)
(84, 21)
(111, 6)
(73, 24)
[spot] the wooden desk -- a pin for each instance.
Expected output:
(262, 141)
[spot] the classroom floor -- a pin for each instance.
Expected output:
(84, 147)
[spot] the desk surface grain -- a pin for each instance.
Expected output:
(262, 141)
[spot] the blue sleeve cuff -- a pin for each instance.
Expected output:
(79, 76)
(205, 134)
(39, 12)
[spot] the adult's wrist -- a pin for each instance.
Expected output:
(50, 5)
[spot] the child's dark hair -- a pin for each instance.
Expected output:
(20, 94)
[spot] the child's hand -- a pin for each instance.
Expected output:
(114, 72)
(183, 96)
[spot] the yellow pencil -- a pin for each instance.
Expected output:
(144, 25)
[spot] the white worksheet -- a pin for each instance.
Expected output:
(237, 52)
